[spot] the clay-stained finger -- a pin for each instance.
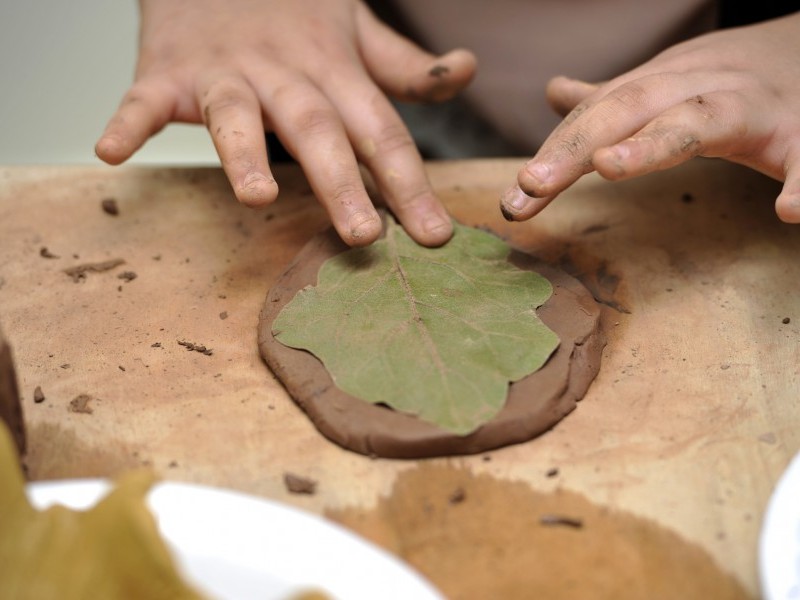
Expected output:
(404, 70)
(516, 205)
(385, 146)
(710, 125)
(608, 116)
(312, 131)
(232, 114)
(144, 110)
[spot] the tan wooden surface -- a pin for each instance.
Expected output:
(693, 417)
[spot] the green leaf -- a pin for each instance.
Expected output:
(435, 332)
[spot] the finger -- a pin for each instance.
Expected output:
(602, 120)
(710, 125)
(386, 147)
(721, 124)
(232, 114)
(403, 69)
(787, 206)
(564, 94)
(312, 131)
(144, 111)
(516, 205)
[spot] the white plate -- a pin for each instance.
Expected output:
(238, 547)
(779, 544)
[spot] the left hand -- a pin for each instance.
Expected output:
(732, 94)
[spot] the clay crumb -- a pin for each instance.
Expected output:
(786, 320)
(38, 395)
(191, 346)
(725, 366)
(560, 521)
(45, 253)
(439, 71)
(80, 404)
(223, 315)
(79, 272)
(297, 484)
(127, 276)
(156, 345)
(458, 496)
(110, 206)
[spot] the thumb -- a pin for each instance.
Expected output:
(404, 70)
(564, 94)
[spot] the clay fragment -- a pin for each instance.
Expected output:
(534, 404)
(38, 395)
(79, 272)
(109, 206)
(297, 484)
(80, 404)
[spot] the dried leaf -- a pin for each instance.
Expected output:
(435, 332)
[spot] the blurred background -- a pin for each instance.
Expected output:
(64, 68)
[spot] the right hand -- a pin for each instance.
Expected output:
(316, 72)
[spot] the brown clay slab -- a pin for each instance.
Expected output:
(534, 405)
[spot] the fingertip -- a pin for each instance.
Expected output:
(787, 206)
(111, 149)
(516, 205)
(462, 62)
(363, 227)
(435, 231)
(257, 190)
(611, 162)
(444, 77)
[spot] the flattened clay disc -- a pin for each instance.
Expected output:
(534, 404)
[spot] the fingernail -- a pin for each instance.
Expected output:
(541, 172)
(435, 224)
(256, 180)
(621, 151)
(512, 202)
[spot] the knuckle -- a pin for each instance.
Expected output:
(313, 121)
(393, 138)
(575, 145)
(630, 96)
(344, 192)
(222, 96)
(702, 106)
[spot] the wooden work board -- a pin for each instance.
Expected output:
(690, 423)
